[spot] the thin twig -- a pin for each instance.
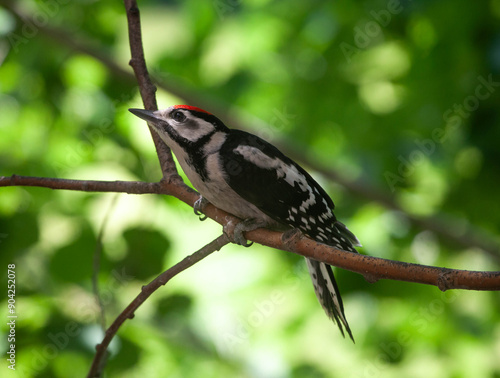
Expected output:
(147, 290)
(130, 187)
(97, 262)
(373, 268)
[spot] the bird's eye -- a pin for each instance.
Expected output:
(178, 116)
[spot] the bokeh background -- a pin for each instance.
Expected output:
(392, 105)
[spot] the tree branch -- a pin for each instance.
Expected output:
(162, 279)
(146, 87)
(372, 268)
(130, 187)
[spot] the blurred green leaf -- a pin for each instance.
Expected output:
(145, 252)
(74, 262)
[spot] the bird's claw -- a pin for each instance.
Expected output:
(235, 233)
(239, 238)
(198, 207)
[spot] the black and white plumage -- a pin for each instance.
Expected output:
(246, 176)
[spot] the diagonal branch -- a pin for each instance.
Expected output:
(97, 263)
(372, 268)
(162, 279)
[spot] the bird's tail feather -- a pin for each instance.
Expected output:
(328, 293)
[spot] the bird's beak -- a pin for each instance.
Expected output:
(146, 115)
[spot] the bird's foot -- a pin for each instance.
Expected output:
(198, 207)
(235, 232)
(291, 236)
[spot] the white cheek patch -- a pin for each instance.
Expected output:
(192, 131)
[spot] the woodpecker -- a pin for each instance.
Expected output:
(251, 179)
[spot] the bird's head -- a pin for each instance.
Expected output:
(181, 123)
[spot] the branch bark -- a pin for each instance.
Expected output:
(162, 279)
(372, 268)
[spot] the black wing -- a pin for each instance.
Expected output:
(274, 183)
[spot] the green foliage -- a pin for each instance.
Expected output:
(144, 245)
(403, 95)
